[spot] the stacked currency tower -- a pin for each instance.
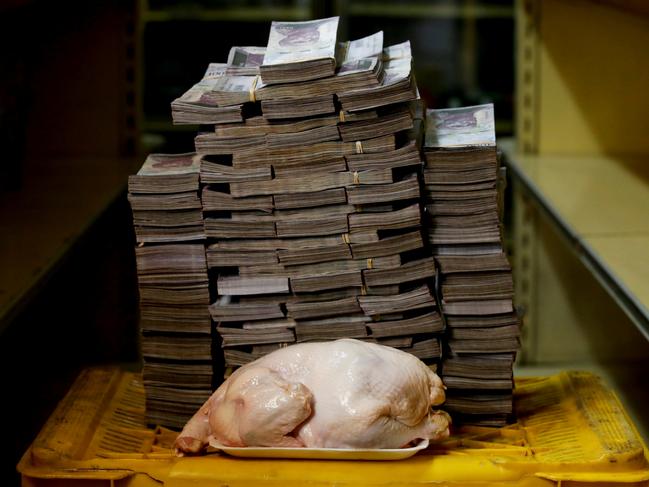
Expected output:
(463, 195)
(311, 199)
(309, 222)
(176, 335)
(308, 225)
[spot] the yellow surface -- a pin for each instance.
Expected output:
(592, 77)
(570, 428)
(625, 379)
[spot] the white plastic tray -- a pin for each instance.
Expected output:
(323, 453)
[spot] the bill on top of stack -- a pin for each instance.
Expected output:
(245, 60)
(196, 105)
(460, 127)
(359, 65)
(165, 199)
(166, 173)
(300, 51)
(397, 84)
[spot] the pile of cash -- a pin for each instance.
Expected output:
(463, 194)
(312, 204)
(175, 325)
(306, 213)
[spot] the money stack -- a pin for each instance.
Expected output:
(312, 196)
(175, 324)
(462, 181)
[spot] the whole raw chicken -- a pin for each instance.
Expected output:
(341, 394)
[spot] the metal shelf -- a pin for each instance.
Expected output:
(372, 9)
(583, 228)
(424, 10)
(242, 14)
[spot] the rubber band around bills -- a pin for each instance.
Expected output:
(251, 92)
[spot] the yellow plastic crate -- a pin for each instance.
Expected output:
(571, 430)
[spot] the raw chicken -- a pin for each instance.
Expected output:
(342, 394)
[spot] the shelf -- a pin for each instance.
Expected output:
(246, 14)
(566, 103)
(599, 204)
(595, 195)
(233, 14)
(450, 11)
(624, 259)
(40, 223)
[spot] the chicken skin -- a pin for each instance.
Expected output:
(341, 394)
